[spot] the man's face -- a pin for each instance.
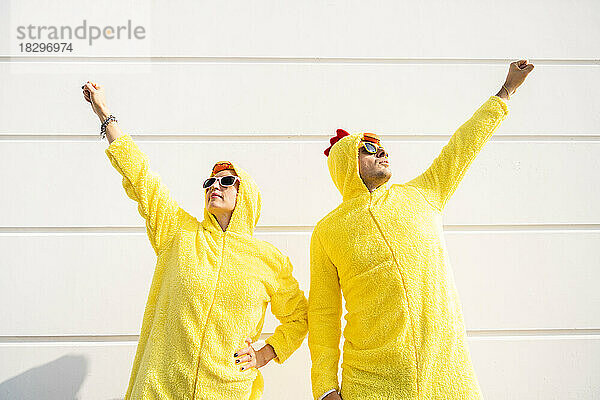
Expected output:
(374, 169)
(219, 199)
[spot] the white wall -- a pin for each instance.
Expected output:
(266, 84)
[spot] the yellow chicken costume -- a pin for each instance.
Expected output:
(405, 336)
(209, 292)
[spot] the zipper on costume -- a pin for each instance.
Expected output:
(209, 312)
(403, 285)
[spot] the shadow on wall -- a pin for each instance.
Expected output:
(60, 379)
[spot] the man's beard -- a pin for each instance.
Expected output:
(381, 177)
(382, 174)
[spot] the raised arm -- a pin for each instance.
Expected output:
(94, 94)
(155, 204)
(441, 179)
(324, 322)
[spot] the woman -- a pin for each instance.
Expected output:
(211, 283)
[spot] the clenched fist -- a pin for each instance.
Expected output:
(94, 94)
(517, 73)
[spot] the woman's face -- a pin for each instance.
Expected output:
(219, 199)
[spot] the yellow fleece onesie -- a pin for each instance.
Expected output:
(405, 336)
(209, 291)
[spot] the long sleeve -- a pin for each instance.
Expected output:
(441, 179)
(155, 204)
(290, 307)
(324, 320)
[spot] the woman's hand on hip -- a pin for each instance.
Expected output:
(253, 358)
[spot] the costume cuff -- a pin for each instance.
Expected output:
(503, 104)
(279, 348)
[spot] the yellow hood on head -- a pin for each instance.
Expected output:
(247, 206)
(343, 166)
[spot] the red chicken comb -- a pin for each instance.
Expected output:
(340, 133)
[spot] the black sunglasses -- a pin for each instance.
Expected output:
(225, 181)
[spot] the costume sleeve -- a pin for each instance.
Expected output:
(441, 179)
(290, 306)
(155, 204)
(324, 320)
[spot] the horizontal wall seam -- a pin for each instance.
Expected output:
(176, 59)
(286, 137)
(293, 229)
(475, 333)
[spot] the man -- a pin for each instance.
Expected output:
(384, 249)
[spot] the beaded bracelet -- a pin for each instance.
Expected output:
(103, 126)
